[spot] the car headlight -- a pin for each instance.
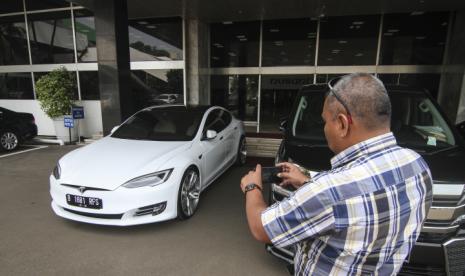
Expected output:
(57, 171)
(151, 179)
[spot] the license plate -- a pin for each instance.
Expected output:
(83, 201)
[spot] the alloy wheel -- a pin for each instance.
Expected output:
(190, 192)
(9, 141)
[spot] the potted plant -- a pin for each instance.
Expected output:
(55, 93)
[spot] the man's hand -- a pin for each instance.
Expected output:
(252, 177)
(291, 175)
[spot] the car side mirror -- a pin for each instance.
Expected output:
(461, 129)
(283, 125)
(211, 134)
(114, 129)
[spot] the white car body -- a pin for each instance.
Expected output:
(100, 169)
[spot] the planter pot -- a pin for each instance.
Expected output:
(62, 132)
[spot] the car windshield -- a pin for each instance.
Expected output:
(416, 122)
(160, 125)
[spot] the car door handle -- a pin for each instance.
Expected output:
(221, 138)
(235, 127)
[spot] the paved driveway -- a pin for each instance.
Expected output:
(34, 241)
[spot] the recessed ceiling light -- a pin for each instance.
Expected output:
(240, 36)
(151, 27)
(359, 54)
(420, 37)
(283, 53)
(243, 39)
(388, 34)
(279, 43)
(393, 30)
(351, 27)
(143, 22)
(232, 54)
(358, 22)
(274, 30)
(444, 24)
(227, 22)
(342, 41)
(215, 58)
(417, 13)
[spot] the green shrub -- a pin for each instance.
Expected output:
(55, 92)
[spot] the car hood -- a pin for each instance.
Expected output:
(446, 166)
(110, 162)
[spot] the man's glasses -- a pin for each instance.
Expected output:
(331, 84)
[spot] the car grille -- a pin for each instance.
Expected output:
(94, 215)
(455, 256)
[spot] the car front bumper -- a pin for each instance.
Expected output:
(120, 207)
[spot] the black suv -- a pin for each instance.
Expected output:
(417, 123)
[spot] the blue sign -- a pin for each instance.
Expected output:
(69, 121)
(78, 112)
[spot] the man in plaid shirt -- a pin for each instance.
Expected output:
(364, 215)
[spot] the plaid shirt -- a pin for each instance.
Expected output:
(361, 217)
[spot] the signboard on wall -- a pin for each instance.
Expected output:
(285, 82)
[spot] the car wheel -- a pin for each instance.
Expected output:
(189, 194)
(9, 140)
(241, 156)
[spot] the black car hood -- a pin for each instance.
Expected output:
(447, 166)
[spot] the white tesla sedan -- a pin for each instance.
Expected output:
(151, 168)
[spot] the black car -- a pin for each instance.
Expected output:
(417, 123)
(15, 128)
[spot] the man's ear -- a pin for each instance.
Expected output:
(343, 125)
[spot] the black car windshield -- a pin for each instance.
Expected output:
(416, 122)
(160, 125)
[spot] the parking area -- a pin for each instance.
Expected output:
(216, 241)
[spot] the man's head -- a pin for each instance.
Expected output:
(356, 108)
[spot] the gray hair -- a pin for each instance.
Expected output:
(366, 98)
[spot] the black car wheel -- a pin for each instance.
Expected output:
(9, 140)
(241, 156)
(189, 194)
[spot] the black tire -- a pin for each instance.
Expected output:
(9, 140)
(185, 209)
(241, 155)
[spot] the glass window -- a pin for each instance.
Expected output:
(38, 75)
(214, 121)
(277, 97)
(13, 41)
(325, 78)
(157, 87)
(348, 40)
(51, 37)
(45, 4)
(9, 6)
(429, 82)
(155, 39)
(160, 124)
(89, 83)
(289, 42)
(86, 42)
(234, 44)
(415, 38)
(16, 86)
(237, 93)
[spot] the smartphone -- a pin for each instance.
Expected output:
(270, 174)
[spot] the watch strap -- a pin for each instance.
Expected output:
(251, 187)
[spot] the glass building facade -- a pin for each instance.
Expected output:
(255, 68)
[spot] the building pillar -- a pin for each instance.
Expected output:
(111, 28)
(197, 63)
(451, 94)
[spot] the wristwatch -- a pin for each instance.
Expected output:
(250, 187)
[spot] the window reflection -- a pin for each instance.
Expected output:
(348, 40)
(85, 36)
(16, 86)
(235, 44)
(277, 96)
(13, 44)
(289, 42)
(88, 81)
(155, 39)
(429, 82)
(51, 37)
(414, 38)
(38, 75)
(157, 87)
(237, 93)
